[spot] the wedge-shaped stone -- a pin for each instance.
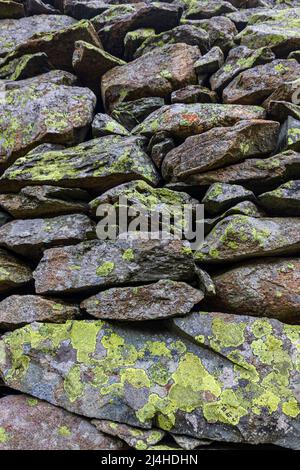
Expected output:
(268, 288)
(288, 91)
(103, 125)
(156, 73)
(253, 86)
(239, 237)
(132, 113)
(184, 120)
(221, 196)
(16, 31)
(289, 136)
(84, 8)
(203, 9)
(40, 201)
(13, 272)
(113, 263)
(30, 237)
(220, 147)
(211, 380)
(221, 31)
(30, 424)
(43, 112)
(17, 310)
(100, 163)
(284, 200)
(27, 66)
(162, 299)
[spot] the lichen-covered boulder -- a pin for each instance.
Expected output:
(134, 39)
(39, 7)
(156, 73)
(210, 62)
(255, 85)
(84, 8)
(18, 310)
(289, 136)
(99, 164)
(221, 31)
(224, 377)
(40, 201)
(284, 200)
(202, 9)
(184, 120)
(43, 112)
(26, 66)
(162, 299)
(238, 237)
(103, 125)
(194, 94)
(220, 196)
(30, 424)
(132, 113)
(14, 273)
(15, 31)
(29, 237)
(268, 288)
(113, 263)
(220, 147)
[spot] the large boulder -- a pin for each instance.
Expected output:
(211, 375)
(40, 111)
(284, 200)
(99, 164)
(268, 288)
(156, 73)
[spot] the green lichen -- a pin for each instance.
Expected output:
(4, 437)
(64, 431)
(128, 255)
(227, 334)
(32, 401)
(105, 269)
(227, 409)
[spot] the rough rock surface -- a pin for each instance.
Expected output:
(14, 273)
(221, 196)
(284, 200)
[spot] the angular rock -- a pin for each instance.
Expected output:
(239, 59)
(185, 33)
(97, 164)
(217, 375)
(194, 94)
(281, 110)
(289, 136)
(284, 200)
(13, 272)
(156, 73)
(91, 62)
(139, 439)
(113, 25)
(134, 39)
(11, 10)
(18, 310)
(132, 113)
(221, 31)
(162, 299)
(15, 31)
(113, 263)
(41, 201)
(54, 77)
(39, 7)
(30, 424)
(26, 66)
(210, 62)
(255, 174)
(255, 85)
(190, 443)
(203, 9)
(220, 147)
(183, 120)
(239, 237)
(30, 237)
(43, 112)
(84, 8)
(268, 288)
(159, 145)
(288, 91)
(105, 125)
(221, 196)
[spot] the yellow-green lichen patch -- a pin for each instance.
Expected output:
(105, 269)
(3, 435)
(73, 384)
(83, 338)
(227, 333)
(135, 377)
(32, 401)
(291, 408)
(128, 255)
(267, 400)
(64, 431)
(227, 409)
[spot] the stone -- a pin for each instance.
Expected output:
(205, 376)
(42, 201)
(14, 273)
(134, 39)
(18, 310)
(84, 8)
(239, 59)
(54, 77)
(103, 125)
(29, 237)
(194, 94)
(30, 424)
(91, 63)
(190, 443)
(184, 120)
(113, 25)
(294, 55)
(210, 62)
(282, 110)
(11, 10)
(40, 112)
(162, 299)
(288, 91)
(221, 31)
(220, 147)
(240, 237)
(255, 173)
(156, 73)
(113, 263)
(221, 196)
(139, 439)
(284, 200)
(289, 136)
(100, 164)
(268, 288)
(39, 7)
(26, 66)
(132, 113)
(16, 31)
(255, 85)
(59, 45)
(185, 33)
(159, 145)
(203, 9)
